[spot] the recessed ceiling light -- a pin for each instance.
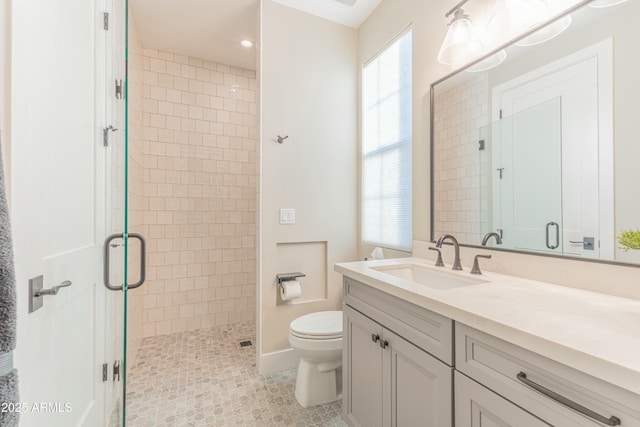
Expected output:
(246, 43)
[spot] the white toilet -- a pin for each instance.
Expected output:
(317, 338)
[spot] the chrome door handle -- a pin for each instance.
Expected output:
(611, 421)
(143, 261)
(52, 291)
(106, 261)
(549, 225)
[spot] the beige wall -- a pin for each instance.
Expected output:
(308, 92)
(429, 28)
(199, 183)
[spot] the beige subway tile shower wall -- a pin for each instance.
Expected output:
(460, 167)
(199, 137)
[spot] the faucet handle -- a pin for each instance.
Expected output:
(476, 266)
(439, 262)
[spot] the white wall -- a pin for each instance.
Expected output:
(429, 28)
(308, 92)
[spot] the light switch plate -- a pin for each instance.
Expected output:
(287, 216)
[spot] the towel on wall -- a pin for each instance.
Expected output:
(8, 380)
(9, 394)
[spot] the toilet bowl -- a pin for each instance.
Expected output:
(317, 339)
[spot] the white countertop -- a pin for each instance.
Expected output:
(594, 333)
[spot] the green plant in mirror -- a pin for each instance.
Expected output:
(629, 239)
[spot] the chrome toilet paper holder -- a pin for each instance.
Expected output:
(286, 277)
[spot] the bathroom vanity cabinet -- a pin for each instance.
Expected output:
(555, 393)
(400, 369)
(388, 379)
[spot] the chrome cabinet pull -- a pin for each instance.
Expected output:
(549, 225)
(611, 421)
(106, 260)
(52, 291)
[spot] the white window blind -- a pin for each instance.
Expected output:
(386, 147)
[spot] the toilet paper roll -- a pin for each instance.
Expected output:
(290, 290)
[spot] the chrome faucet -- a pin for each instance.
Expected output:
(487, 236)
(456, 247)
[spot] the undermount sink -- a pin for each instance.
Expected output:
(428, 277)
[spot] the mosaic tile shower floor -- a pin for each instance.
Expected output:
(205, 378)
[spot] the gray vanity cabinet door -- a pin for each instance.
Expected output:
(477, 406)
(420, 386)
(362, 370)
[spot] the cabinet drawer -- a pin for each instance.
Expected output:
(430, 331)
(500, 366)
(477, 406)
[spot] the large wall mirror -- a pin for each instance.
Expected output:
(544, 149)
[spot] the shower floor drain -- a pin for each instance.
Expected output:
(245, 343)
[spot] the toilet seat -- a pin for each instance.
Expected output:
(322, 325)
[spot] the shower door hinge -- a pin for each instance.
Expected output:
(105, 371)
(119, 89)
(500, 113)
(105, 21)
(116, 370)
(105, 135)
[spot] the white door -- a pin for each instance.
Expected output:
(562, 175)
(59, 209)
(528, 177)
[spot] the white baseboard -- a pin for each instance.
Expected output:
(278, 361)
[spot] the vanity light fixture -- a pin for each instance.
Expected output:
(488, 63)
(512, 17)
(517, 16)
(605, 3)
(461, 43)
(547, 33)
(246, 43)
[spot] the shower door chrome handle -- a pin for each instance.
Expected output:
(549, 225)
(106, 261)
(143, 262)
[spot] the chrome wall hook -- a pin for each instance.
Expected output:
(282, 138)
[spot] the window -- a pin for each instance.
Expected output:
(386, 147)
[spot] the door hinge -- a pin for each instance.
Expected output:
(119, 89)
(105, 135)
(500, 171)
(116, 370)
(105, 21)
(105, 371)
(501, 114)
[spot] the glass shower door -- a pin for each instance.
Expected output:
(124, 250)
